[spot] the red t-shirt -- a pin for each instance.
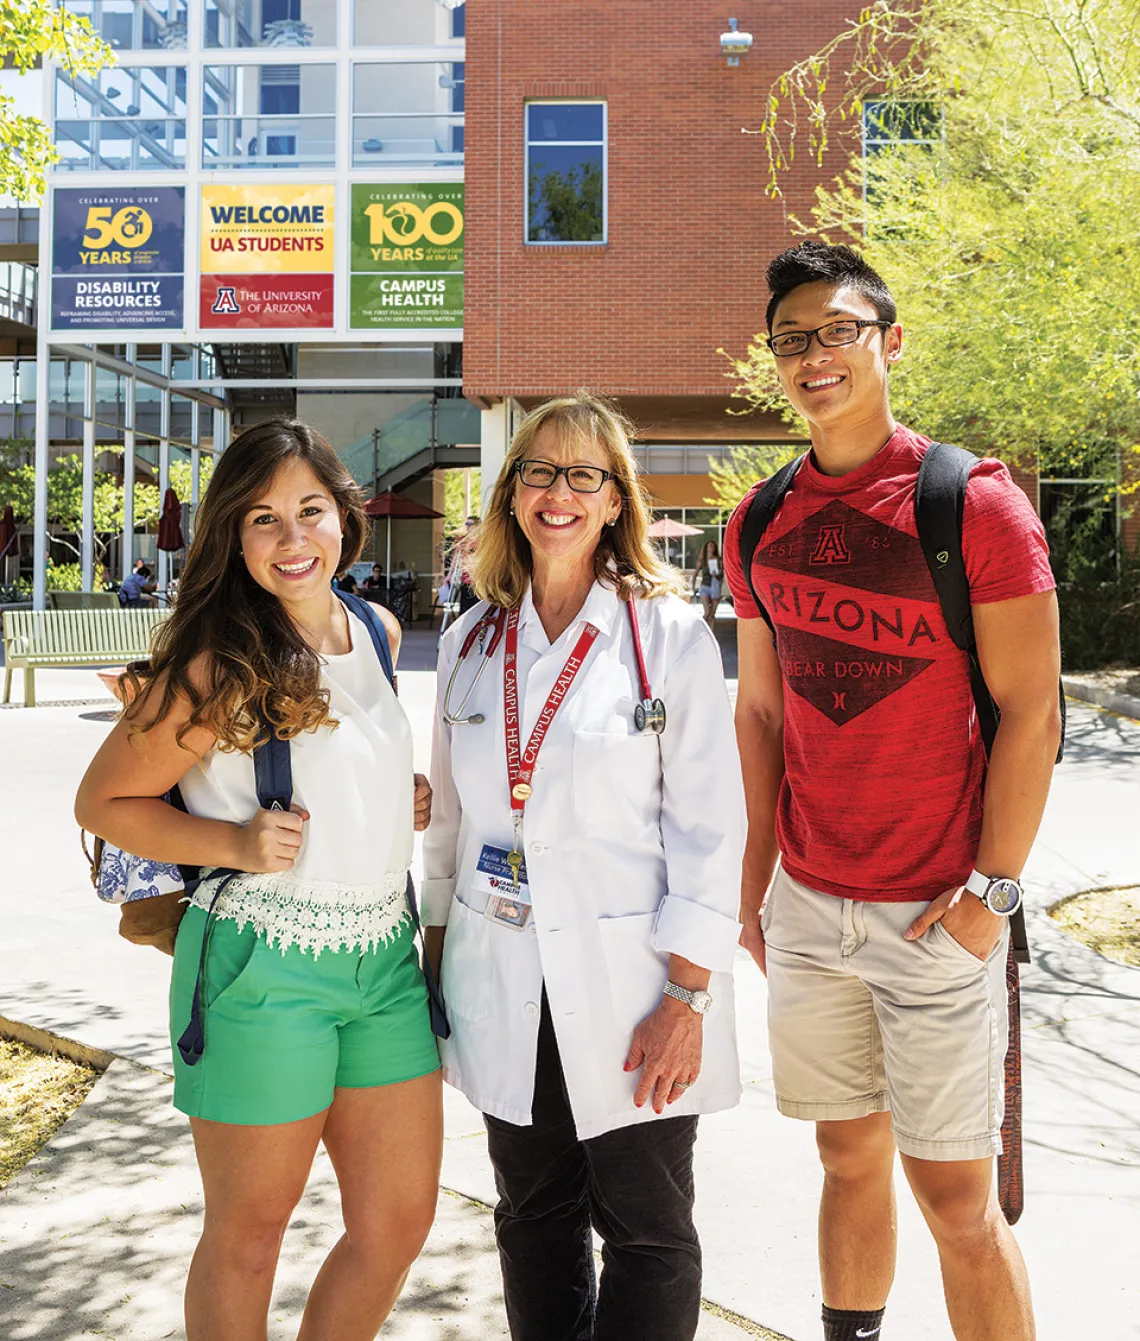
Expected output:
(882, 794)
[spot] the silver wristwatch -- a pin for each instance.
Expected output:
(698, 1001)
(1000, 894)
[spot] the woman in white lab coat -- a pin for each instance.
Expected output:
(582, 873)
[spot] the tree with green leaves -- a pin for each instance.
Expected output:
(998, 198)
(455, 502)
(568, 204)
(29, 31)
(65, 497)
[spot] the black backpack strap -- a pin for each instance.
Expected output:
(763, 508)
(939, 505)
(379, 635)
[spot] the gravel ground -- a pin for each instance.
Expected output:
(1106, 920)
(1119, 679)
(38, 1093)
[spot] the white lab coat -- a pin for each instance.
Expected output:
(633, 846)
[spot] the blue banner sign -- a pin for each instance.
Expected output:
(118, 256)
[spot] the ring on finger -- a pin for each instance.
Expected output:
(681, 1084)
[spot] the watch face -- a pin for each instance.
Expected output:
(1003, 897)
(701, 1002)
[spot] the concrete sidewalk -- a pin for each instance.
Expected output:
(96, 1233)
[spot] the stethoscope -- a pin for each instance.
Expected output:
(648, 715)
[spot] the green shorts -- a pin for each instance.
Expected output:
(283, 1030)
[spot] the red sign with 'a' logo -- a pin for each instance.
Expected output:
(261, 302)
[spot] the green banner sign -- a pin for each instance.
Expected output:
(407, 255)
(406, 300)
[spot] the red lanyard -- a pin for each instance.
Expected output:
(520, 767)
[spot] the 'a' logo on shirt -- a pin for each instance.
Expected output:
(830, 547)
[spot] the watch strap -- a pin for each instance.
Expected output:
(978, 883)
(679, 993)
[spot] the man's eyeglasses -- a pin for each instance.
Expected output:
(835, 333)
(582, 479)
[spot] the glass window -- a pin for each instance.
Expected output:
(269, 116)
(123, 117)
(398, 23)
(566, 172)
(409, 113)
(270, 23)
(891, 125)
(135, 25)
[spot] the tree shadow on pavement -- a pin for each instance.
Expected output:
(98, 1232)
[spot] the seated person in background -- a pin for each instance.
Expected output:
(403, 588)
(346, 582)
(376, 580)
(136, 589)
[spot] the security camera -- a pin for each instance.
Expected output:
(735, 44)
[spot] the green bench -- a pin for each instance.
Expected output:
(82, 600)
(34, 638)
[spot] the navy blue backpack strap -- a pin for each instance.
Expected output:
(379, 635)
(376, 630)
(763, 508)
(273, 775)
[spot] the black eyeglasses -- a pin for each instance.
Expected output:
(835, 333)
(542, 474)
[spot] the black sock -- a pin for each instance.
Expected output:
(852, 1324)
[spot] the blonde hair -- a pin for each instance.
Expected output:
(625, 559)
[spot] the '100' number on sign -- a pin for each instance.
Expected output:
(405, 223)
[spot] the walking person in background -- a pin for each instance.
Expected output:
(459, 573)
(884, 931)
(586, 870)
(302, 957)
(707, 580)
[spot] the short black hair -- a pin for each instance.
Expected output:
(815, 262)
(143, 570)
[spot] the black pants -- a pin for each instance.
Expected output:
(633, 1185)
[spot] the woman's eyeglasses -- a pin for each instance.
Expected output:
(542, 474)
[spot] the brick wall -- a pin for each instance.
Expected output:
(690, 228)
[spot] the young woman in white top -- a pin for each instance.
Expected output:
(590, 1003)
(708, 578)
(314, 1006)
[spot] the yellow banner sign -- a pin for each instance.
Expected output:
(267, 229)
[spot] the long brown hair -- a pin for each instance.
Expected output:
(257, 662)
(625, 559)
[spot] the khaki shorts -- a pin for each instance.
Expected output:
(861, 1021)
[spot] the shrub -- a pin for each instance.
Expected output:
(1100, 620)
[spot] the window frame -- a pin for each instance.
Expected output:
(528, 103)
(929, 142)
(361, 158)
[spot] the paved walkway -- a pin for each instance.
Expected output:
(95, 1233)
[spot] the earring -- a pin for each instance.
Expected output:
(612, 521)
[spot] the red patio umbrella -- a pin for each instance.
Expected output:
(389, 505)
(9, 535)
(170, 523)
(668, 529)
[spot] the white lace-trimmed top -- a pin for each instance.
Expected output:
(346, 889)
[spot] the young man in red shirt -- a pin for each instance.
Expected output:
(867, 781)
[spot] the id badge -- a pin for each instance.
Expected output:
(507, 905)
